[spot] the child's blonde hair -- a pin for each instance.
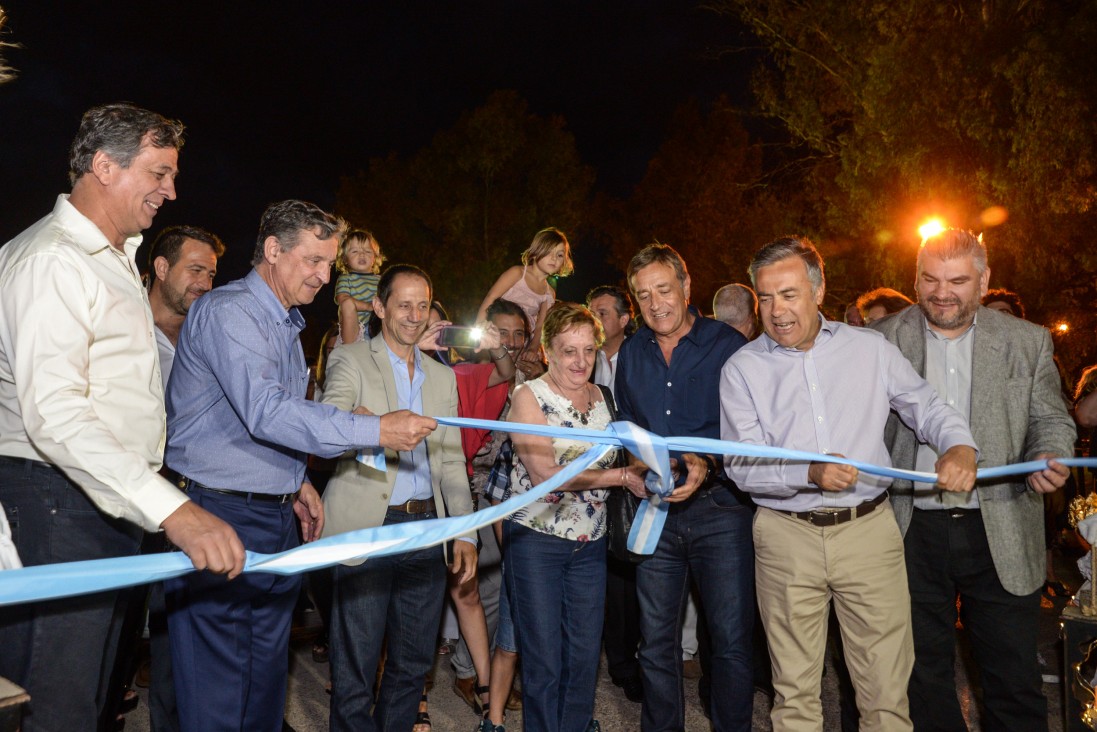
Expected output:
(544, 241)
(363, 236)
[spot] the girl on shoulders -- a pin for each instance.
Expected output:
(359, 264)
(527, 286)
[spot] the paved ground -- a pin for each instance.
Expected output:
(307, 706)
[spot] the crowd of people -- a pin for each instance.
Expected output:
(103, 455)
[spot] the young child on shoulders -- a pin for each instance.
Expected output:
(359, 265)
(549, 254)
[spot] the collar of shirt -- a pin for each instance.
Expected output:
(682, 398)
(931, 333)
(271, 306)
(410, 394)
(89, 237)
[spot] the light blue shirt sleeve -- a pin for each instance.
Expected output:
(237, 414)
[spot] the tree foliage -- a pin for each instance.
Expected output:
(467, 205)
(963, 108)
(702, 194)
(6, 72)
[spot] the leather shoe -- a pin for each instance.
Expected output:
(633, 688)
(514, 700)
(691, 669)
(466, 689)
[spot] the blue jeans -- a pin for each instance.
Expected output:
(708, 539)
(230, 639)
(505, 637)
(399, 596)
(56, 650)
(557, 593)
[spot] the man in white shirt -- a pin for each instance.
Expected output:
(82, 422)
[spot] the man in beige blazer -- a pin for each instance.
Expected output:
(986, 546)
(399, 596)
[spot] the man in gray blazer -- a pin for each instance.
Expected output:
(402, 595)
(986, 546)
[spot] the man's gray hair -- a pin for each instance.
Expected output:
(735, 303)
(953, 243)
(285, 220)
(119, 131)
(785, 247)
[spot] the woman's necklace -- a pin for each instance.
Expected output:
(583, 417)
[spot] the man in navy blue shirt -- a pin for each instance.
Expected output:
(239, 432)
(668, 382)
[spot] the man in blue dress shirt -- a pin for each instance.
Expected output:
(668, 379)
(239, 431)
(825, 532)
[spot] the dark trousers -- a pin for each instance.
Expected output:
(399, 596)
(230, 639)
(131, 611)
(163, 711)
(709, 539)
(946, 556)
(60, 650)
(621, 632)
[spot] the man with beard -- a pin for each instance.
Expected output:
(182, 265)
(987, 545)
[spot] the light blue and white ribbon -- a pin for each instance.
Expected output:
(52, 581)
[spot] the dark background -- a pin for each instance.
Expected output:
(281, 99)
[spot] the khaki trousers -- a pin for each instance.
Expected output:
(799, 569)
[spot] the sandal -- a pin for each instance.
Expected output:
(422, 719)
(482, 708)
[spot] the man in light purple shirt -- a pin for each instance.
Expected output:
(823, 530)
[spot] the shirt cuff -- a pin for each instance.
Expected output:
(467, 540)
(156, 500)
(367, 430)
(797, 474)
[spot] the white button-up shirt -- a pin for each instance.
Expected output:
(80, 383)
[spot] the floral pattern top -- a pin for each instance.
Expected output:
(573, 515)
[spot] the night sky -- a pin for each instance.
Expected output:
(281, 99)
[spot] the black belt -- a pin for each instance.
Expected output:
(841, 516)
(268, 497)
(955, 512)
(414, 506)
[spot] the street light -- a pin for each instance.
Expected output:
(931, 227)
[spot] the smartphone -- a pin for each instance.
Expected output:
(457, 336)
